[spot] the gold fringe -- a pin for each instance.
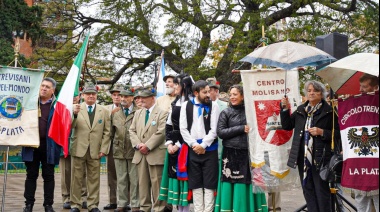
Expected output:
(258, 165)
(278, 175)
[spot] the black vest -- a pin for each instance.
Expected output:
(206, 118)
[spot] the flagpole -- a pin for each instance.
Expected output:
(158, 71)
(17, 50)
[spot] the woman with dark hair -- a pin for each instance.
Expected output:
(174, 185)
(235, 184)
(311, 148)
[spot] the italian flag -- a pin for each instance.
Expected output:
(60, 128)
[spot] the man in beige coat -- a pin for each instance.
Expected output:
(111, 170)
(148, 139)
(91, 142)
(123, 152)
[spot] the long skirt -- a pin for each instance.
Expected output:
(238, 197)
(173, 191)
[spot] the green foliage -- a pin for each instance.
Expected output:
(7, 54)
(207, 38)
(16, 19)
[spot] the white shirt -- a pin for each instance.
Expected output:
(129, 108)
(198, 129)
(151, 109)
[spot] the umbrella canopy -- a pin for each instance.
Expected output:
(288, 55)
(343, 75)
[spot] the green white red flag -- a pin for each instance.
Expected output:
(61, 123)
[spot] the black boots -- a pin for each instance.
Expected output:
(28, 208)
(49, 208)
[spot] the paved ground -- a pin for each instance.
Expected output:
(14, 199)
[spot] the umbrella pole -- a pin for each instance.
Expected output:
(286, 80)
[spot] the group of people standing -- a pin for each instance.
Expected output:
(166, 151)
(185, 147)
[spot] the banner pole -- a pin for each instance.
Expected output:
(17, 50)
(5, 181)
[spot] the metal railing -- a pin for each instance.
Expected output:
(19, 167)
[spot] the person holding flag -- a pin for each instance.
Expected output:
(91, 125)
(61, 123)
(46, 155)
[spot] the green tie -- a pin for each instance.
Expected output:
(147, 116)
(126, 111)
(89, 109)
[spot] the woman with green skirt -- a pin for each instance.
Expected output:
(174, 184)
(235, 184)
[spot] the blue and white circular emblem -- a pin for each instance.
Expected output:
(10, 107)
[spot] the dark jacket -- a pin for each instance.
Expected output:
(231, 127)
(323, 120)
(52, 149)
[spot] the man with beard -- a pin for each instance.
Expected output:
(164, 102)
(198, 124)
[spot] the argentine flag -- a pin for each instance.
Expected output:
(161, 85)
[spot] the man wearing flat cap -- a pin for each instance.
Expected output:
(147, 134)
(91, 142)
(214, 96)
(164, 102)
(111, 171)
(123, 152)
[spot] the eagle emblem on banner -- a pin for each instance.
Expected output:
(364, 144)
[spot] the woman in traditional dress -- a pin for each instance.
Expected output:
(311, 148)
(174, 185)
(235, 184)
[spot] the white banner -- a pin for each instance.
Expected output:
(269, 144)
(19, 91)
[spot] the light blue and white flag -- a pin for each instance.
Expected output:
(161, 86)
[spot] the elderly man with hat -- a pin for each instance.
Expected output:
(214, 96)
(123, 152)
(91, 125)
(111, 171)
(147, 134)
(164, 102)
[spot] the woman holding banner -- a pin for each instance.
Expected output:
(235, 184)
(311, 147)
(174, 185)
